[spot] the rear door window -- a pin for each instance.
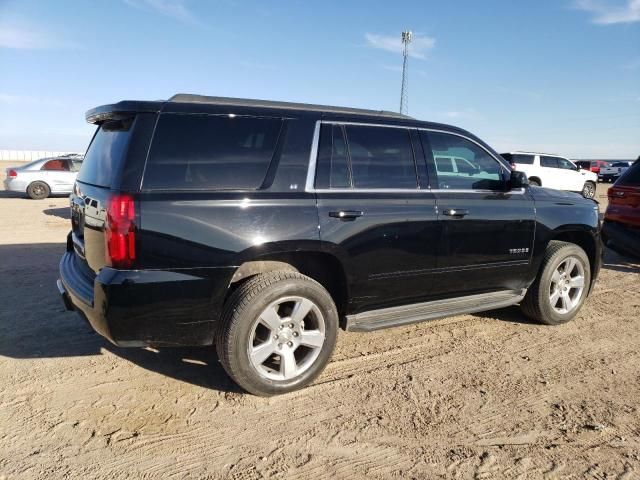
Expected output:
(106, 154)
(550, 162)
(59, 165)
(520, 158)
(210, 152)
(333, 161)
(381, 157)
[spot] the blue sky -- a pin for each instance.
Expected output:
(559, 76)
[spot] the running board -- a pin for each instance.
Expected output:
(419, 312)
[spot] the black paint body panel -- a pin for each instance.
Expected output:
(402, 250)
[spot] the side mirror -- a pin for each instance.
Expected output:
(518, 180)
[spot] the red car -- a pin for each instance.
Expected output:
(592, 165)
(621, 228)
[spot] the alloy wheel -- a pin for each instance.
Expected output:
(588, 191)
(567, 285)
(286, 338)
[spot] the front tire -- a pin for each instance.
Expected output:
(534, 182)
(277, 333)
(38, 190)
(562, 285)
(589, 190)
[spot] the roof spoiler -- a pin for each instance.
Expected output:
(120, 110)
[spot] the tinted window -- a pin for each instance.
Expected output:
(58, 164)
(293, 161)
(106, 153)
(551, 162)
(620, 164)
(566, 164)
(631, 177)
(333, 166)
(210, 152)
(444, 164)
(381, 157)
(518, 158)
(473, 167)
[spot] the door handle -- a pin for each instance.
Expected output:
(346, 214)
(456, 212)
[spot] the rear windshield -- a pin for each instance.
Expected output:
(103, 161)
(631, 177)
(210, 152)
(518, 158)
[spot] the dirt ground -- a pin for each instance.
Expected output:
(476, 396)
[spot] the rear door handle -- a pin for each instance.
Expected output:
(456, 212)
(346, 214)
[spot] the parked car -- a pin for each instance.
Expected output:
(262, 227)
(592, 165)
(621, 227)
(613, 171)
(44, 177)
(553, 171)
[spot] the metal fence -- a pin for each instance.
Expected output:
(27, 155)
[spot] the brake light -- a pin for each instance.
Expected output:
(120, 229)
(12, 173)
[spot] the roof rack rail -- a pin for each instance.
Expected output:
(246, 102)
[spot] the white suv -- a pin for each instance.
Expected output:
(552, 171)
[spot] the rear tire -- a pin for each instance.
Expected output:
(534, 182)
(589, 190)
(38, 190)
(277, 333)
(562, 285)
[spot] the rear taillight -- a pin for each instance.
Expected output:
(120, 229)
(12, 174)
(613, 193)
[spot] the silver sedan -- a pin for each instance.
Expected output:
(44, 177)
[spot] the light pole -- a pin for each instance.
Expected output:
(407, 36)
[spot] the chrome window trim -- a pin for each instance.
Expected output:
(519, 191)
(313, 159)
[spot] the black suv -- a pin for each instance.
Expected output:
(263, 227)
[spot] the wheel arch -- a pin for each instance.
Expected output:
(584, 240)
(323, 267)
(535, 178)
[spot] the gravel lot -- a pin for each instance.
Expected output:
(489, 395)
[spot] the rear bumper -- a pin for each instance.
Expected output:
(145, 307)
(15, 185)
(624, 238)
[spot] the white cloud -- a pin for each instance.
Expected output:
(418, 48)
(29, 37)
(170, 8)
(608, 12)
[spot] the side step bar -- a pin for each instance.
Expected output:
(419, 312)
